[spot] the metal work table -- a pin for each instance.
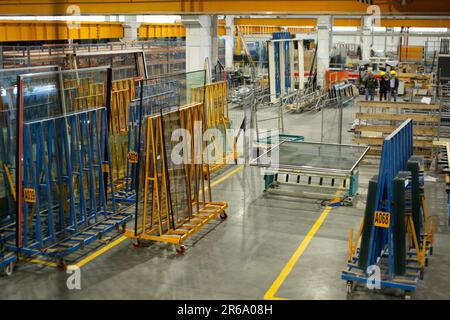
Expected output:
(325, 165)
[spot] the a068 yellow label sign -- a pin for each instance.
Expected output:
(382, 219)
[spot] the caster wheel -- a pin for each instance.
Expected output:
(137, 243)
(62, 265)
(349, 287)
(223, 215)
(8, 270)
(181, 249)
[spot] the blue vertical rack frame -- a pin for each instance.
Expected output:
(287, 61)
(63, 162)
(8, 142)
(276, 45)
(397, 149)
(282, 49)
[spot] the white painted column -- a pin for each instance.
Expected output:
(324, 25)
(366, 37)
(131, 27)
(214, 40)
(229, 42)
(199, 41)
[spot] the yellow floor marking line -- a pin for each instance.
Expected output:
(122, 238)
(225, 177)
(100, 251)
(43, 262)
(270, 294)
(277, 298)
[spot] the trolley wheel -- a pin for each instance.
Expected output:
(349, 287)
(61, 265)
(181, 249)
(223, 215)
(137, 243)
(9, 269)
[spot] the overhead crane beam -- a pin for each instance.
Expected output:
(279, 22)
(161, 30)
(58, 30)
(347, 7)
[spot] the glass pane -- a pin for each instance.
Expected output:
(64, 143)
(309, 155)
(160, 100)
(8, 141)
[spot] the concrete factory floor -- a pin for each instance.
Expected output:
(246, 256)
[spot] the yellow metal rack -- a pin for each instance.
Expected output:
(122, 93)
(176, 198)
(215, 99)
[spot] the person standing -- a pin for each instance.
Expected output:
(370, 85)
(393, 86)
(384, 86)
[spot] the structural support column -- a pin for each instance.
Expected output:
(131, 27)
(229, 42)
(366, 37)
(324, 25)
(214, 40)
(201, 41)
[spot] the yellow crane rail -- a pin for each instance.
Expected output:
(13, 30)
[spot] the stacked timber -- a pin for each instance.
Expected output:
(379, 119)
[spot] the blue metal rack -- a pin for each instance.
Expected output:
(7, 261)
(285, 53)
(65, 205)
(396, 151)
(8, 143)
(63, 170)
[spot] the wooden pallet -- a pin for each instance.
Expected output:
(379, 119)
